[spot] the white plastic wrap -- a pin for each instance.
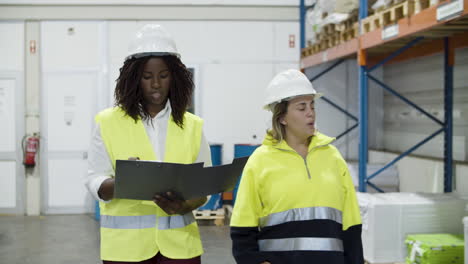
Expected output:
(314, 22)
(335, 18)
(382, 4)
(327, 6)
(346, 6)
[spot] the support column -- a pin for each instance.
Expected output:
(449, 62)
(32, 84)
(302, 14)
(363, 105)
(363, 121)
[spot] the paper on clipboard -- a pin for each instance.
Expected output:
(140, 180)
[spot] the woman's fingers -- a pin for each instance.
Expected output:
(167, 204)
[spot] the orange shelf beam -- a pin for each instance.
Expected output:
(423, 21)
(343, 50)
(430, 48)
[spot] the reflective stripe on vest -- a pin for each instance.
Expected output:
(301, 243)
(128, 222)
(302, 214)
(175, 221)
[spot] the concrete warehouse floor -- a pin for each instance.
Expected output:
(74, 239)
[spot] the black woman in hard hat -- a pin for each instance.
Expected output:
(296, 201)
(149, 122)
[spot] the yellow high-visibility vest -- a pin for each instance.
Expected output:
(134, 230)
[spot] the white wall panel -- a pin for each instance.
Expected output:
(219, 41)
(65, 184)
(244, 41)
(205, 41)
(12, 122)
(71, 44)
(74, 79)
(12, 46)
(71, 104)
(284, 66)
(157, 2)
(7, 184)
(119, 35)
(286, 42)
(232, 108)
(8, 115)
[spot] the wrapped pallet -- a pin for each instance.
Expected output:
(326, 6)
(387, 219)
(465, 224)
(350, 6)
(434, 249)
(314, 23)
(346, 6)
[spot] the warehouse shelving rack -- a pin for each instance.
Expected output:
(439, 28)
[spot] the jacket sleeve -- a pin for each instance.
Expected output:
(245, 219)
(352, 226)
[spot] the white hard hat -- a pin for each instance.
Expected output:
(150, 40)
(286, 85)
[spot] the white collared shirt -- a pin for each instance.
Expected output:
(100, 165)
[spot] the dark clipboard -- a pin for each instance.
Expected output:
(141, 180)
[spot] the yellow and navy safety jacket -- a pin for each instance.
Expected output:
(134, 230)
(294, 210)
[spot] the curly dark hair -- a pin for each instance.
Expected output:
(129, 95)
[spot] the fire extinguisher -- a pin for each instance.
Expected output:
(30, 148)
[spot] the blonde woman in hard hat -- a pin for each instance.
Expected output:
(149, 122)
(296, 201)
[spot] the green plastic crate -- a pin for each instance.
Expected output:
(435, 249)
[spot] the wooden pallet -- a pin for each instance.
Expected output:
(388, 16)
(216, 215)
(349, 34)
(328, 29)
(307, 51)
(347, 24)
(310, 50)
(392, 14)
(420, 5)
(332, 35)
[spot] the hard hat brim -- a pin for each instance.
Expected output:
(269, 107)
(146, 54)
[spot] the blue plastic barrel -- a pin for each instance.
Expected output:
(97, 212)
(242, 150)
(216, 154)
(215, 200)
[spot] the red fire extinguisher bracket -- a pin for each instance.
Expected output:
(30, 148)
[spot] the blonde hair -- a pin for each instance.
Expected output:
(277, 131)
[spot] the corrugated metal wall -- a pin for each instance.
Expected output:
(340, 85)
(422, 81)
